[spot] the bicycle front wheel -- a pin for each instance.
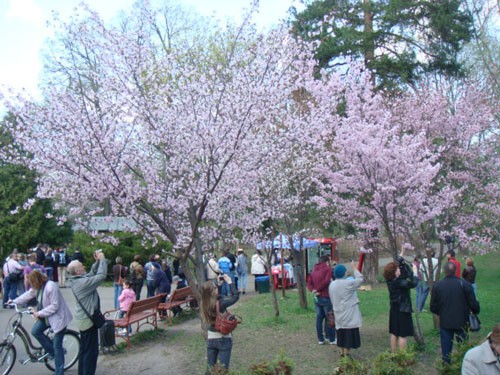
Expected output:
(7, 358)
(71, 347)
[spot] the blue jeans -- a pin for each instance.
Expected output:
(447, 336)
(150, 284)
(422, 291)
(242, 281)
(118, 291)
(89, 351)
(323, 305)
(53, 347)
(219, 348)
(9, 289)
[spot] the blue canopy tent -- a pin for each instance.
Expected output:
(281, 242)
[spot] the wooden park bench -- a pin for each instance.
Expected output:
(182, 297)
(141, 313)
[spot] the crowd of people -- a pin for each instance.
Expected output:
(334, 287)
(453, 299)
(18, 266)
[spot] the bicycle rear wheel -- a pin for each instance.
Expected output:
(7, 358)
(71, 346)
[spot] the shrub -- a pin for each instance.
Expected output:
(398, 363)
(457, 356)
(350, 366)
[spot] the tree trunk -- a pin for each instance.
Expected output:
(419, 336)
(298, 270)
(273, 292)
(368, 29)
(370, 266)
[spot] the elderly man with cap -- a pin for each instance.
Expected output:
(84, 287)
(345, 302)
(484, 358)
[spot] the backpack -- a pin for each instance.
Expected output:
(138, 272)
(224, 265)
(62, 258)
(226, 322)
(107, 341)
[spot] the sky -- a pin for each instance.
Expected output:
(23, 28)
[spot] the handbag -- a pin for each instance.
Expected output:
(330, 318)
(97, 317)
(121, 279)
(474, 323)
(13, 276)
(226, 322)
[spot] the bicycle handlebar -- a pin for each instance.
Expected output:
(29, 310)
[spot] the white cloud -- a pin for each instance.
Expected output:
(26, 11)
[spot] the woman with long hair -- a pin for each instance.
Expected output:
(52, 312)
(219, 346)
(400, 279)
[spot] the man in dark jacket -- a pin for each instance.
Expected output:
(452, 299)
(318, 283)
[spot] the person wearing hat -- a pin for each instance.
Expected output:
(345, 302)
(242, 269)
(484, 358)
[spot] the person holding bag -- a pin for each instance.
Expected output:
(219, 346)
(84, 287)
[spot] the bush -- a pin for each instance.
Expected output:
(350, 366)
(457, 356)
(128, 245)
(398, 363)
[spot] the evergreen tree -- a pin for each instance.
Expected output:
(398, 39)
(24, 221)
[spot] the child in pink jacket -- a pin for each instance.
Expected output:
(126, 298)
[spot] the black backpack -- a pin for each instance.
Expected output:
(107, 342)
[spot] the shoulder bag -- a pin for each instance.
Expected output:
(121, 279)
(474, 322)
(97, 317)
(330, 317)
(226, 322)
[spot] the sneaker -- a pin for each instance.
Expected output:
(334, 342)
(122, 332)
(321, 343)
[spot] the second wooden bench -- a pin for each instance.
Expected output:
(180, 297)
(142, 312)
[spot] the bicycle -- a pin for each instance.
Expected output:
(36, 354)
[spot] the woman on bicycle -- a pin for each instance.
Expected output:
(52, 312)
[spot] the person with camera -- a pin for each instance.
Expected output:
(400, 279)
(219, 346)
(84, 287)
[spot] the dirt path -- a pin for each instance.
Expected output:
(160, 357)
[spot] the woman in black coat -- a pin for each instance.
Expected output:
(400, 279)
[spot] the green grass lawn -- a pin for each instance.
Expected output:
(262, 336)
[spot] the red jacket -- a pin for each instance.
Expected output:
(319, 279)
(457, 264)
